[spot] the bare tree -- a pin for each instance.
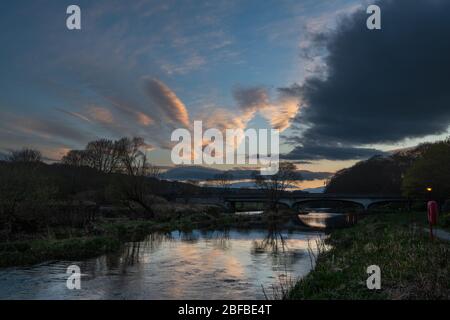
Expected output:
(25, 155)
(137, 187)
(275, 185)
(103, 155)
(75, 158)
(133, 160)
(126, 156)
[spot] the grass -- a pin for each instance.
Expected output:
(412, 267)
(30, 252)
(444, 221)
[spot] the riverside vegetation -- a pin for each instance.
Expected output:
(412, 266)
(95, 200)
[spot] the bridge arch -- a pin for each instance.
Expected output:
(326, 203)
(283, 205)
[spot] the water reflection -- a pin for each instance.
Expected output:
(273, 242)
(196, 265)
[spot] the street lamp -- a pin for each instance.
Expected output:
(429, 189)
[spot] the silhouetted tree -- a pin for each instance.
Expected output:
(25, 155)
(275, 185)
(103, 155)
(431, 170)
(133, 160)
(377, 175)
(76, 158)
(137, 187)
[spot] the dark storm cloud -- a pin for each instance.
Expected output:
(251, 99)
(319, 152)
(381, 86)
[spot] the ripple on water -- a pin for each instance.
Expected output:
(180, 266)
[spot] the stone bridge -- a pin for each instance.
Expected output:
(294, 201)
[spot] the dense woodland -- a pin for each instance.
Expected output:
(420, 172)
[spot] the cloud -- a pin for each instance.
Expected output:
(75, 114)
(101, 115)
(223, 119)
(380, 86)
(283, 111)
(47, 129)
(279, 111)
(54, 153)
(192, 63)
(120, 104)
(205, 173)
(164, 99)
(330, 152)
(251, 99)
(144, 119)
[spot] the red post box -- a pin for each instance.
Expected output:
(433, 210)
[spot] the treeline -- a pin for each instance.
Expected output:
(421, 172)
(120, 156)
(35, 196)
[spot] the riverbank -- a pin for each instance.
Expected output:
(444, 221)
(412, 266)
(108, 235)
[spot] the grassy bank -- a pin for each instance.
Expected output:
(30, 252)
(444, 221)
(107, 235)
(412, 267)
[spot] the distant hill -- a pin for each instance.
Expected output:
(204, 173)
(252, 185)
(315, 190)
(190, 173)
(377, 175)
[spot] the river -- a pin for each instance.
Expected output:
(196, 265)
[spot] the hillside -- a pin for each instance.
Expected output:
(377, 175)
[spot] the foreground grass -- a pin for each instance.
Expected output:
(444, 221)
(30, 252)
(75, 244)
(412, 267)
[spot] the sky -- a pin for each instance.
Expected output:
(338, 92)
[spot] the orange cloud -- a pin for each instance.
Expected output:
(167, 102)
(101, 114)
(55, 153)
(144, 119)
(278, 112)
(282, 112)
(223, 119)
